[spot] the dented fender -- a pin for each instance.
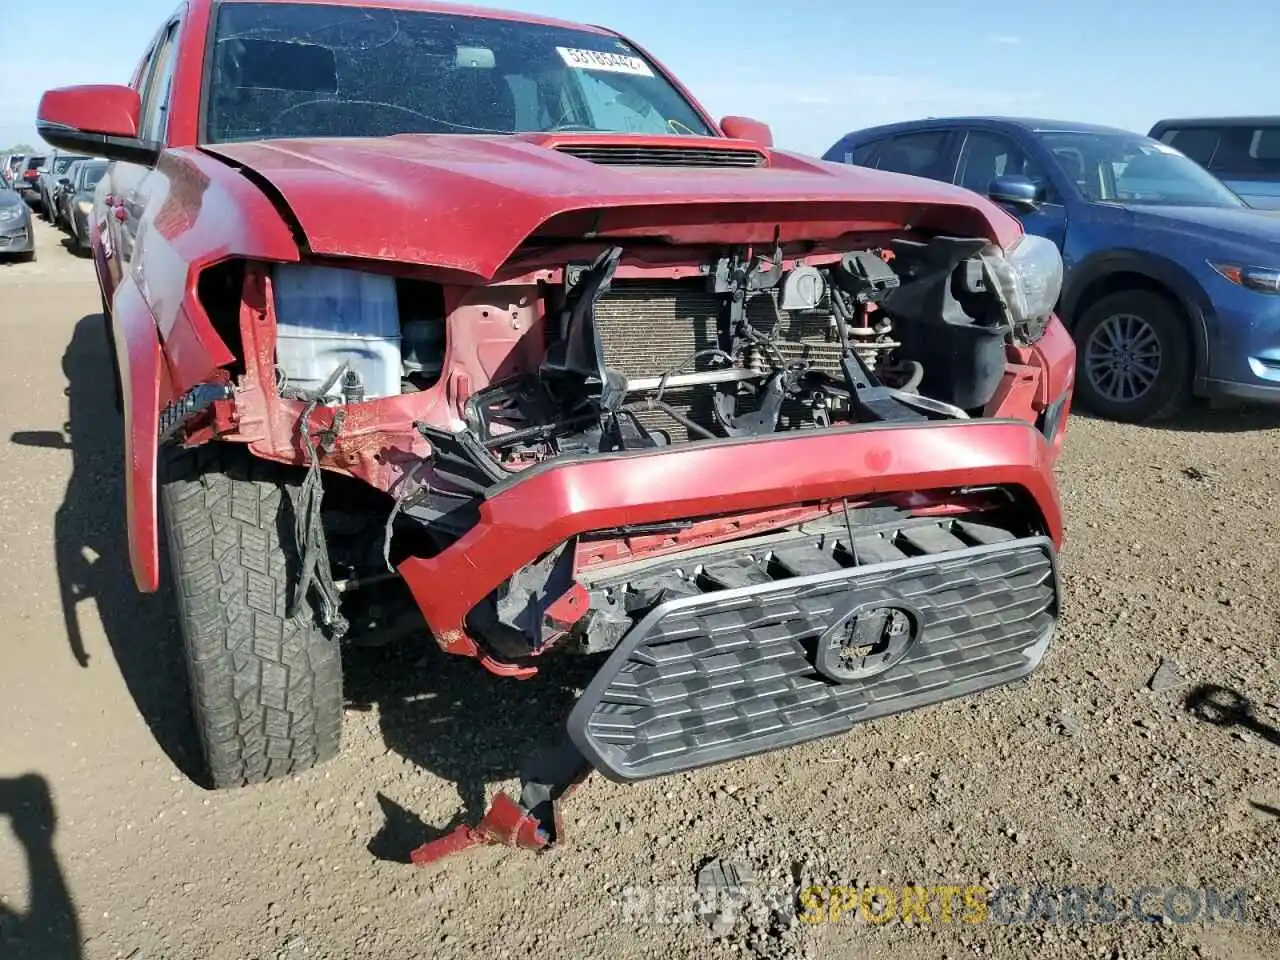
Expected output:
(144, 387)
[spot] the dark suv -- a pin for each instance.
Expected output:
(26, 179)
(1243, 152)
(1172, 283)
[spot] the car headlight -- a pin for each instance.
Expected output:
(9, 213)
(1261, 279)
(84, 206)
(1028, 276)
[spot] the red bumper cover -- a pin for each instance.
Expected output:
(545, 506)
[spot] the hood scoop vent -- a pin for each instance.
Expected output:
(637, 155)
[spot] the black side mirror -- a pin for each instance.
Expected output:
(65, 181)
(1016, 191)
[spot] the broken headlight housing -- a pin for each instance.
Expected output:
(1028, 277)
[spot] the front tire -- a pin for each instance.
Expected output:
(1133, 357)
(266, 688)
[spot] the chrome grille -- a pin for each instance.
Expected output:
(727, 666)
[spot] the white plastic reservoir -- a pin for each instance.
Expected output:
(325, 316)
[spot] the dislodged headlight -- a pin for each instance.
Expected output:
(1028, 276)
(1261, 279)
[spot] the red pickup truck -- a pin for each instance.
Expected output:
(484, 311)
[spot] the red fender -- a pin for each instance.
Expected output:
(141, 372)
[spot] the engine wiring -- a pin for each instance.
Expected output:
(307, 498)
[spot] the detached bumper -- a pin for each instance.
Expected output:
(541, 508)
(732, 673)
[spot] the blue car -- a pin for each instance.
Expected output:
(1172, 285)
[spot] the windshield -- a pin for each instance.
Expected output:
(60, 164)
(306, 70)
(1120, 168)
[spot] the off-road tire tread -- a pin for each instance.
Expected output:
(266, 689)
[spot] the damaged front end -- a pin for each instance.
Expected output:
(776, 489)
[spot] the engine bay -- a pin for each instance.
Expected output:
(751, 343)
(911, 332)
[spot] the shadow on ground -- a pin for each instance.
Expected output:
(444, 713)
(48, 928)
(1201, 417)
(92, 556)
(453, 718)
(1224, 707)
(69, 244)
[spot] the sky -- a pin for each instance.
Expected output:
(812, 69)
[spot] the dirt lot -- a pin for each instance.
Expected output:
(1082, 777)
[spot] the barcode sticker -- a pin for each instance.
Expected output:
(609, 62)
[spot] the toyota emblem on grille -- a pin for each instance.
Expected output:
(867, 641)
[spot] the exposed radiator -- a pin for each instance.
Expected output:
(650, 327)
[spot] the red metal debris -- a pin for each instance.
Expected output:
(505, 824)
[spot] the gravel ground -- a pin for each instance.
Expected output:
(1082, 777)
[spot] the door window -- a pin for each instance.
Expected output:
(1198, 143)
(1248, 152)
(918, 154)
(155, 93)
(986, 156)
(862, 156)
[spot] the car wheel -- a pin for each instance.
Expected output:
(266, 688)
(1133, 357)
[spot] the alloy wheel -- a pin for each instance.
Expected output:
(1122, 358)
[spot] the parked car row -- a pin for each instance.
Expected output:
(24, 175)
(1172, 281)
(59, 185)
(73, 199)
(18, 172)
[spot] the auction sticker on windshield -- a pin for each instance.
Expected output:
(599, 60)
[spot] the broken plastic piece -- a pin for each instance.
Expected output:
(534, 823)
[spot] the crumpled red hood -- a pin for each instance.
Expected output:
(466, 203)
